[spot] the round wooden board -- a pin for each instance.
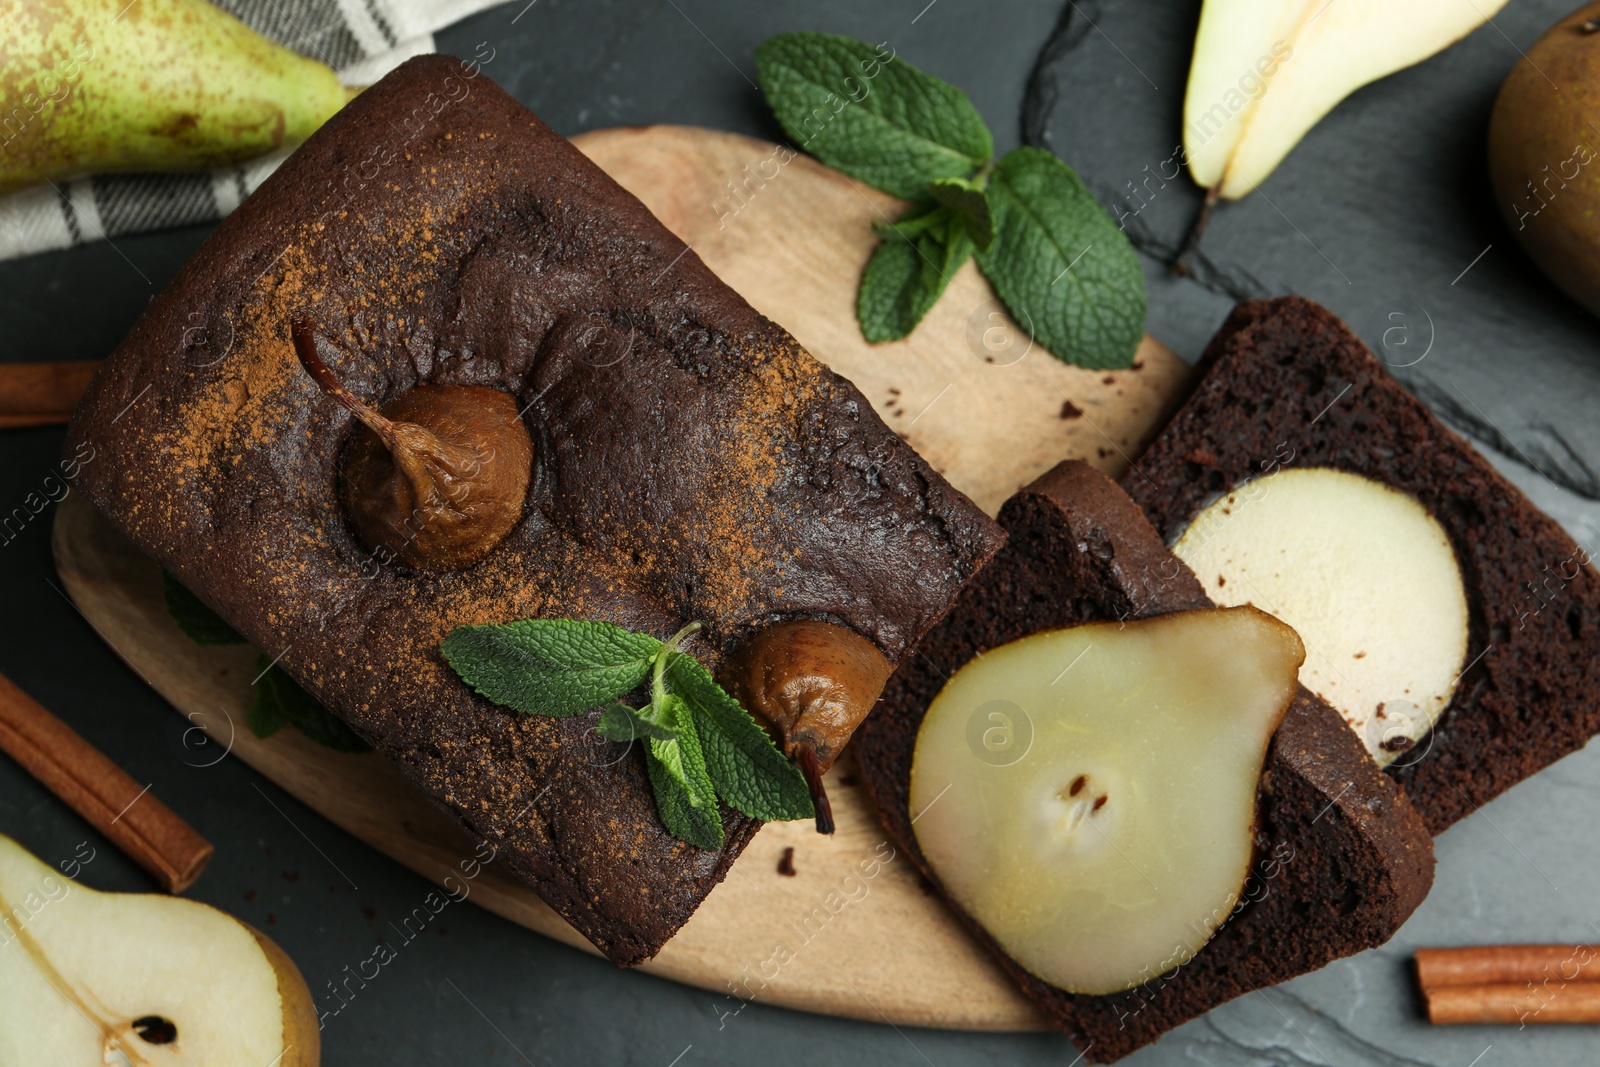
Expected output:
(791, 236)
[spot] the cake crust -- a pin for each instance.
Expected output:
(692, 462)
(1286, 384)
(1341, 857)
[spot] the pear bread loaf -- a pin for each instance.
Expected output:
(690, 462)
(1341, 857)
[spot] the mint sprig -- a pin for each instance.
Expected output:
(702, 746)
(1063, 268)
(746, 767)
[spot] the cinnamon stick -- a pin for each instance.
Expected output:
(1522, 1003)
(151, 833)
(1502, 964)
(39, 394)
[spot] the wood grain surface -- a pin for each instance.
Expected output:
(852, 931)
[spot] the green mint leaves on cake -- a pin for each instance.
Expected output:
(1063, 268)
(701, 746)
(276, 700)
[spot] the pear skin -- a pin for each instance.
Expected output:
(1544, 155)
(154, 85)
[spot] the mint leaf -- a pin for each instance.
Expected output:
(749, 772)
(330, 731)
(267, 714)
(875, 117)
(327, 730)
(279, 700)
(202, 625)
(685, 797)
(909, 271)
(1063, 268)
(555, 667)
(967, 197)
(622, 723)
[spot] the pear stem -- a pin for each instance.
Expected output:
(305, 347)
(1197, 230)
(805, 757)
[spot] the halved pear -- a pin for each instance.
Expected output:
(1366, 577)
(1265, 71)
(1111, 850)
(90, 979)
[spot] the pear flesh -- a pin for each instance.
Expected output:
(1365, 575)
(1265, 71)
(79, 969)
(1088, 795)
(108, 85)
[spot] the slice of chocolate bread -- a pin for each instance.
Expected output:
(1342, 858)
(692, 462)
(1286, 384)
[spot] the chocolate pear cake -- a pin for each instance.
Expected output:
(687, 461)
(1290, 413)
(1340, 858)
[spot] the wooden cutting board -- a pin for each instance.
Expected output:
(968, 390)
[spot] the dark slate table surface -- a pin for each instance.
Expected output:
(1383, 213)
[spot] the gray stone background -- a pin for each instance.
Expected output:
(1383, 214)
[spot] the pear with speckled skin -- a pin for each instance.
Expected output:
(91, 86)
(1544, 154)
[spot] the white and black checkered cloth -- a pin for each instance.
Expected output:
(362, 39)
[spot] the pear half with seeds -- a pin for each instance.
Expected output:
(139, 979)
(1112, 846)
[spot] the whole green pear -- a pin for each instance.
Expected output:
(1544, 154)
(108, 85)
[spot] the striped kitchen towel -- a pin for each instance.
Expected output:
(362, 39)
